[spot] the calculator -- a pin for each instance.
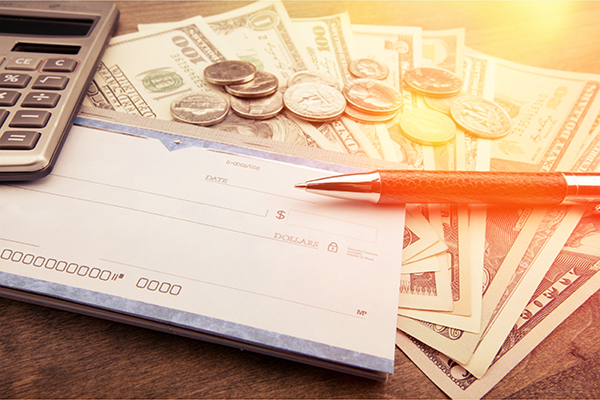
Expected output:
(49, 53)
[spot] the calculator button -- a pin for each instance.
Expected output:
(41, 100)
(60, 65)
(3, 116)
(23, 63)
(19, 140)
(9, 97)
(14, 80)
(50, 82)
(30, 119)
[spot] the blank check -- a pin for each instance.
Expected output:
(212, 241)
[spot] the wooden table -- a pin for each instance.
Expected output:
(48, 353)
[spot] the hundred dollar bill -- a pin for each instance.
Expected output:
(329, 44)
(348, 134)
(573, 277)
(260, 33)
(552, 113)
(141, 73)
(508, 234)
(550, 237)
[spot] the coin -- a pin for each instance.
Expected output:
(368, 68)
(372, 96)
(230, 72)
(314, 102)
(480, 117)
(428, 127)
(441, 104)
(200, 108)
(263, 84)
(312, 76)
(433, 81)
(361, 116)
(261, 108)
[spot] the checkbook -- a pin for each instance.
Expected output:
(164, 232)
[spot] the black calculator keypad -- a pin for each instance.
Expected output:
(25, 108)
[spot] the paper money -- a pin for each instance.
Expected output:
(260, 33)
(569, 282)
(419, 237)
(135, 78)
(444, 49)
(329, 44)
(552, 113)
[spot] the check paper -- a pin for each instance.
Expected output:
(213, 241)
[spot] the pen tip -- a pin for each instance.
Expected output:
(300, 185)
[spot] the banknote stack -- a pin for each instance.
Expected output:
(481, 286)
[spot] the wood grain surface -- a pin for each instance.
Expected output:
(46, 353)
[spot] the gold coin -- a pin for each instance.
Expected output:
(428, 127)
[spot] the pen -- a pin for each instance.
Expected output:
(466, 187)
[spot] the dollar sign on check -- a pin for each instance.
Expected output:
(280, 214)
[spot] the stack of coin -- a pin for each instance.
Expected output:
(370, 100)
(253, 95)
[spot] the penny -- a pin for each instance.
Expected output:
(200, 108)
(372, 96)
(314, 102)
(480, 117)
(361, 116)
(230, 72)
(263, 84)
(312, 76)
(428, 127)
(261, 108)
(433, 81)
(368, 68)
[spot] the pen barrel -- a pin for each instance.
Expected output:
(472, 187)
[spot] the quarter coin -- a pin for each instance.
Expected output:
(263, 84)
(428, 127)
(313, 76)
(372, 96)
(200, 108)
(230, 72)
(368, 68)
(314, 102)
(480, 117)
(261, 108)
(433, 81)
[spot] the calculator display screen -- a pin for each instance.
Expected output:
(26, 25)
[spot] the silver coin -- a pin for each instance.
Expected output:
(200, 108)
(433, 81)
(315, 77)
(314, 102)
(362, 116)
(261, 108)
(263, 84)
(230, 72)
(372, 96)
(368, 68)
(480, 117)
